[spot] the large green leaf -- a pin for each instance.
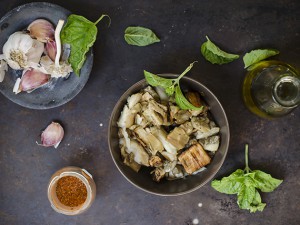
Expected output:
(182, 102)
(215, 55)
(155, 80)
(231, 184)
(81, 34)
(258, 55)
(140, 36)
(246, 196)
(265, 182)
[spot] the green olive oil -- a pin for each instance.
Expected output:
(271, 89)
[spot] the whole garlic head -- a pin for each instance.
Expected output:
(21, 51)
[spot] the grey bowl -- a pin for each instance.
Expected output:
(58, 91)
(142, 179)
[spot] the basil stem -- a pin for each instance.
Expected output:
(246, 159)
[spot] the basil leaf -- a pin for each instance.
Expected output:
(182, 102)
(258, 55)
(256, 199)
(155, 80)
(170, 90)
(246, 196)
(265, 182)
(140, 36)
(231, 184)
(256, 204)
(81, 34)
(258, 207)
(215, 55)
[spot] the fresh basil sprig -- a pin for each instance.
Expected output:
(245, 183)
(81, 34)
(258, 55)
(140, 36)
(172, 86)
(215, 55)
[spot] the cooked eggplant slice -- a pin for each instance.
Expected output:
(178, 138)
(194, 158)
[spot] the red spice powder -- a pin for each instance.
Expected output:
(71, 191)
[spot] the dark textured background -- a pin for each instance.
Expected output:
(236, 26)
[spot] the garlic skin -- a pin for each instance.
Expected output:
(33, 79)
(42, 30)
(16, 88)
(21, 51)
(3, 69)
(51, 49)
(49, 67)
(52, 135)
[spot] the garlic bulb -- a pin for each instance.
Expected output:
(42, 30)
(3, 69)
(21, 51)
(52, 135)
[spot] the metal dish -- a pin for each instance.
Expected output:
(143, 179)
(61, 90)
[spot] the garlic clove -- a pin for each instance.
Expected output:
(32, 79)
(51, 50)
(52, 135)
(42, 30)
(3, 69)
(34, 54)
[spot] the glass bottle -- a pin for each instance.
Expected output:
(271, 89)
(82, 175)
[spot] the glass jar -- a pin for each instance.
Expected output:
(271, 89)
(83, 176)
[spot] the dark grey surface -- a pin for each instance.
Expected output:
(237, 26)
(57, 91)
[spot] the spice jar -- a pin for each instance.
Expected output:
(71, 190)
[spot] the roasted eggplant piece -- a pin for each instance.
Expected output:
(194, 158)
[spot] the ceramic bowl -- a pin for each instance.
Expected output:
(143, 179)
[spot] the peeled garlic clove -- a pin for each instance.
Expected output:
(32, 79)
(51, 50)
(52, 135)
(42, 30)
(35, 52)
(3, 69)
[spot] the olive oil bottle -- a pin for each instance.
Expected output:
(271, 89)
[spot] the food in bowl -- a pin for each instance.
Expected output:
(155, 132)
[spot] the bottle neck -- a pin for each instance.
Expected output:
(286, 91)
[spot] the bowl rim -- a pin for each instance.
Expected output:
(227, 140)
